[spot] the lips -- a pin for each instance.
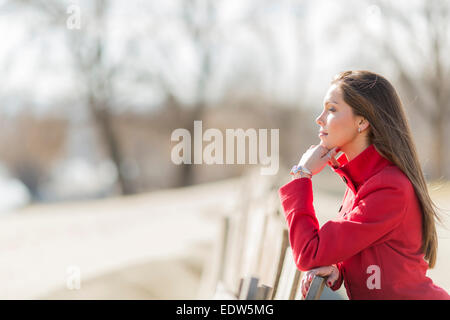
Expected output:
(322, 133)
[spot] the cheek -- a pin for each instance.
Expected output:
(335, 124)
(340, 128)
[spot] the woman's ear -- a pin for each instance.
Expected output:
(363, 124)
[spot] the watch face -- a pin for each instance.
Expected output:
(294, 169)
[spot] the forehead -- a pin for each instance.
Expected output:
(333, 94)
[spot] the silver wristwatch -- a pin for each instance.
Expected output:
(298, 168)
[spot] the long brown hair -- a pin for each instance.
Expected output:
(375, 99)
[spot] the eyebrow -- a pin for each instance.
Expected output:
(330, 101)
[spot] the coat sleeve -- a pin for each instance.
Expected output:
(380, 209)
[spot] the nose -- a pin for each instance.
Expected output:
(319, 120)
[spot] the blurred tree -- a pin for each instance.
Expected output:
(98, 73)
(205, 31)
(198, 19)
(94, 71)
(148, 59)
(420, 55)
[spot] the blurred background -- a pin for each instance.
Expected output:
(91, 91)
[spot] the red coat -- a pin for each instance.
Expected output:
(376, 238)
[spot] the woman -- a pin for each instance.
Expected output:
(384, 239)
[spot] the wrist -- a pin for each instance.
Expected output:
(300, 172)
(299, 175)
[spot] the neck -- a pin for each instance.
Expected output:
(354, 148)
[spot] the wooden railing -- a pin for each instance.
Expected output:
(252, 255)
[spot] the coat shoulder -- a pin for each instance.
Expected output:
(390, 177)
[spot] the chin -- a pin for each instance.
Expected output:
(328, 145)
(325, 144)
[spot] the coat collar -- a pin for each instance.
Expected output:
(355, 172)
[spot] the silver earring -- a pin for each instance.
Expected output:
(359, 130)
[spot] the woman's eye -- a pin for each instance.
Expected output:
(332, 109)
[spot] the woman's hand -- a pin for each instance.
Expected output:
(316, 158)
(330, 272)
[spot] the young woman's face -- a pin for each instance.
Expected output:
(337, 121)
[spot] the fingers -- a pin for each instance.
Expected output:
(323, 271)
(303, 287)
(307, 285)
(331, 157)
(306, 282)
(332, 278)
(333, 162)
(325, 152)
(331, 273)
(333, 152)
(317, 156)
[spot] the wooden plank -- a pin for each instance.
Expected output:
(222, 293)
(246, 231)
(316, 288)
(263, 293)
(245, 246)
(234, 252)
(253, 239)
(284, 247)
(241, 283)
(235, 238)
(273, 251)
(249, 289)
(273, 203)
(224, 234)
(214, 266)
(295, 284)
(289, 278)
